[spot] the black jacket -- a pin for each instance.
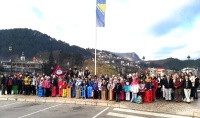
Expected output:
(55, 82)
(196, 82)
(4, 80)
(169, 84)
(189, 84)
(118, 88)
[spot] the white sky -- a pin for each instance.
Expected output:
(131, 25)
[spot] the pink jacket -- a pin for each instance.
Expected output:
(46, 84)
(134, 86)
(142, 87)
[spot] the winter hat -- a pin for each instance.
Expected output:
(134, 75)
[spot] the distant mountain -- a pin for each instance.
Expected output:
(32, 42)
(129, 56)
(175, 64)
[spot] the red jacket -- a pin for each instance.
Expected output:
(64, 85)
(155, 83)
(178, 83)
(60, 83)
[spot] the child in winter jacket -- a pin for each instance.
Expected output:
(134, 89)
(60, 83)
(127, 90)
(64, 89)
(142, 89)
(148, 83)
(46, 86)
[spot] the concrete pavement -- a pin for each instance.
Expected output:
(14, 109)
(159, 106)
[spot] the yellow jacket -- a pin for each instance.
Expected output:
(27, 81)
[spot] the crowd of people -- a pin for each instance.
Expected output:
(136, 87)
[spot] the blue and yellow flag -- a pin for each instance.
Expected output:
(100, 13)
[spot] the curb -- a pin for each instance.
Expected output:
(85, 102)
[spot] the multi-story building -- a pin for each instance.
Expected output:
(187, 70)
(22, 65)
(161, 71)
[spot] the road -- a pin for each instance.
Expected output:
(13, 109)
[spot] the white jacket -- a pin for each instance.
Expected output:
(192, 79)
(135, 88)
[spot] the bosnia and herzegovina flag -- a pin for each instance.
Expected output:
(100, 13)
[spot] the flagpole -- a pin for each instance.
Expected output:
(95, 53)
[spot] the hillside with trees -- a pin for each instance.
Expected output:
(36, 44)
(31, 42)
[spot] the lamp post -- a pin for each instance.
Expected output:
(10, 49)
(143, 60)
(188, 63)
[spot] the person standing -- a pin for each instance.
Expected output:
(187, 85)
(20, 84)
(15, 84)
(104, 90)
(4, 83)
(168, 88)
(9, 85)
(95, 89)
(182, 77)
(158, 90)
(86, 72)
(118, 90)
(54, 85)
(162, 81)
(178, 88)
(192, 79)
(26, 84)
(134, 89)
(196, 87)
(33, 85)
(46, 86)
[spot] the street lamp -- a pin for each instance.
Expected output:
(188, 60)
(10, 49)
(143, 60)
(188, 63)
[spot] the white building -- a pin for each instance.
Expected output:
(187, 70)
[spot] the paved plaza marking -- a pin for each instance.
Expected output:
(124, 115)
(39, 111)
(101, 112)
(149, 113)
(9, 104)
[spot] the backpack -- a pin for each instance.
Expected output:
(196, 82)
(10, 82)
(138, 100)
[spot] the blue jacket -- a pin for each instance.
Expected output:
(127, 88)
(95, 86)
(15, 81)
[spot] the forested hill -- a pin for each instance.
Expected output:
(31, 42)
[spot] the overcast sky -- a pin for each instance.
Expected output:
(156, 29)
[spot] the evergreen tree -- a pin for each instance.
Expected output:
(1, 69)
(51, 63)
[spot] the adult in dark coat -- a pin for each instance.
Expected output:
(118, 89)
(187, 85)
(4, 83)
(86, 72)
(9, 85)
(20, 85)
(168, 83)
(196, 88)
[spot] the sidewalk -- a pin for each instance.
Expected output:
(159, 106)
